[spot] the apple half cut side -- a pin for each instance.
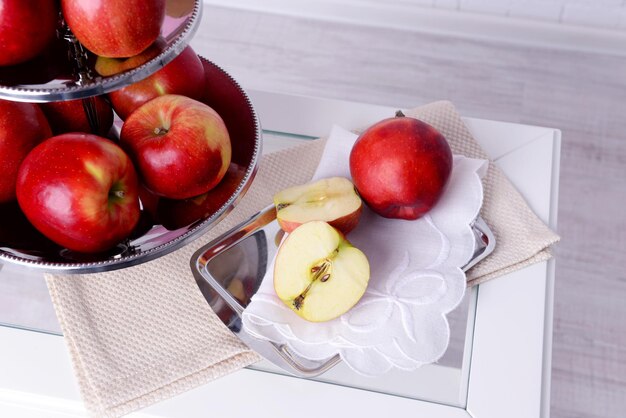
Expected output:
(318, 273)
(333, 200)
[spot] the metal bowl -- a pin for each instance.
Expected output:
(66, 71)
(21, 244)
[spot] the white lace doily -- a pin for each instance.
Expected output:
(416, 278)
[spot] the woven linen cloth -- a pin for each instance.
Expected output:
(144, 334)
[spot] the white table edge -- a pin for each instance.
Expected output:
(334, 111)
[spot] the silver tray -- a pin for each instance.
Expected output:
(21, 244)
(229, 271)
(66, 70)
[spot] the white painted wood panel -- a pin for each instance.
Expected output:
(597, 27)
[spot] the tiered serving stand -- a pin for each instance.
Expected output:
(66, 71)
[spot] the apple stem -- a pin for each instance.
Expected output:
(118, 193)
(399, 114)
(160, 131)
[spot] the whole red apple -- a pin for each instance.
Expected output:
(400, 166)
(22, 127)
(80, 191)
(174, 214)
(183, 76)
(181, 147)
(114, 28)
(26, 29)
(70, 116)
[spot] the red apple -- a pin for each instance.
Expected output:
(80, 191)
(183, 76)
(181, 147)
(400, 167)
(333, 200)
(318, 273)
(149, 201)
(174, 214)
(22, 127)
(70, 116)
(115, 28)
(108, 66)
(26, 29)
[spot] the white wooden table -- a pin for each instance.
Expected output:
(502, 368)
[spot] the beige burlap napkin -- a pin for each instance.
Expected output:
(144, 334)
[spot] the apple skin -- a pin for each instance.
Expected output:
(400, 167)
(333, 200)
(22, 127)
(180, 146)
(183, 76)
(80, 191)
(149, 201)
(26, 29)
(108, 66)
(345, 224)
(115, 28)
(174, 214)
(70, 116)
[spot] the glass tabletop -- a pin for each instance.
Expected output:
(25, 304)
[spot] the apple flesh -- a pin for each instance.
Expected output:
(333, 200)
(26, 29)
(400, 167)
(70, 116)
(22, 127)
(80, 191)
(115, 28)
(183, 76)
(181, 147)
(318, 274)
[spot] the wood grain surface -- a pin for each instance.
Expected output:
(583, 94)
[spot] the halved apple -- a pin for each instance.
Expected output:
(333, 200)
(318, 273)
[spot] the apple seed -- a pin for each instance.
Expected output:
(320, 272)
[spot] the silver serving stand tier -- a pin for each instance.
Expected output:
(66, 71)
